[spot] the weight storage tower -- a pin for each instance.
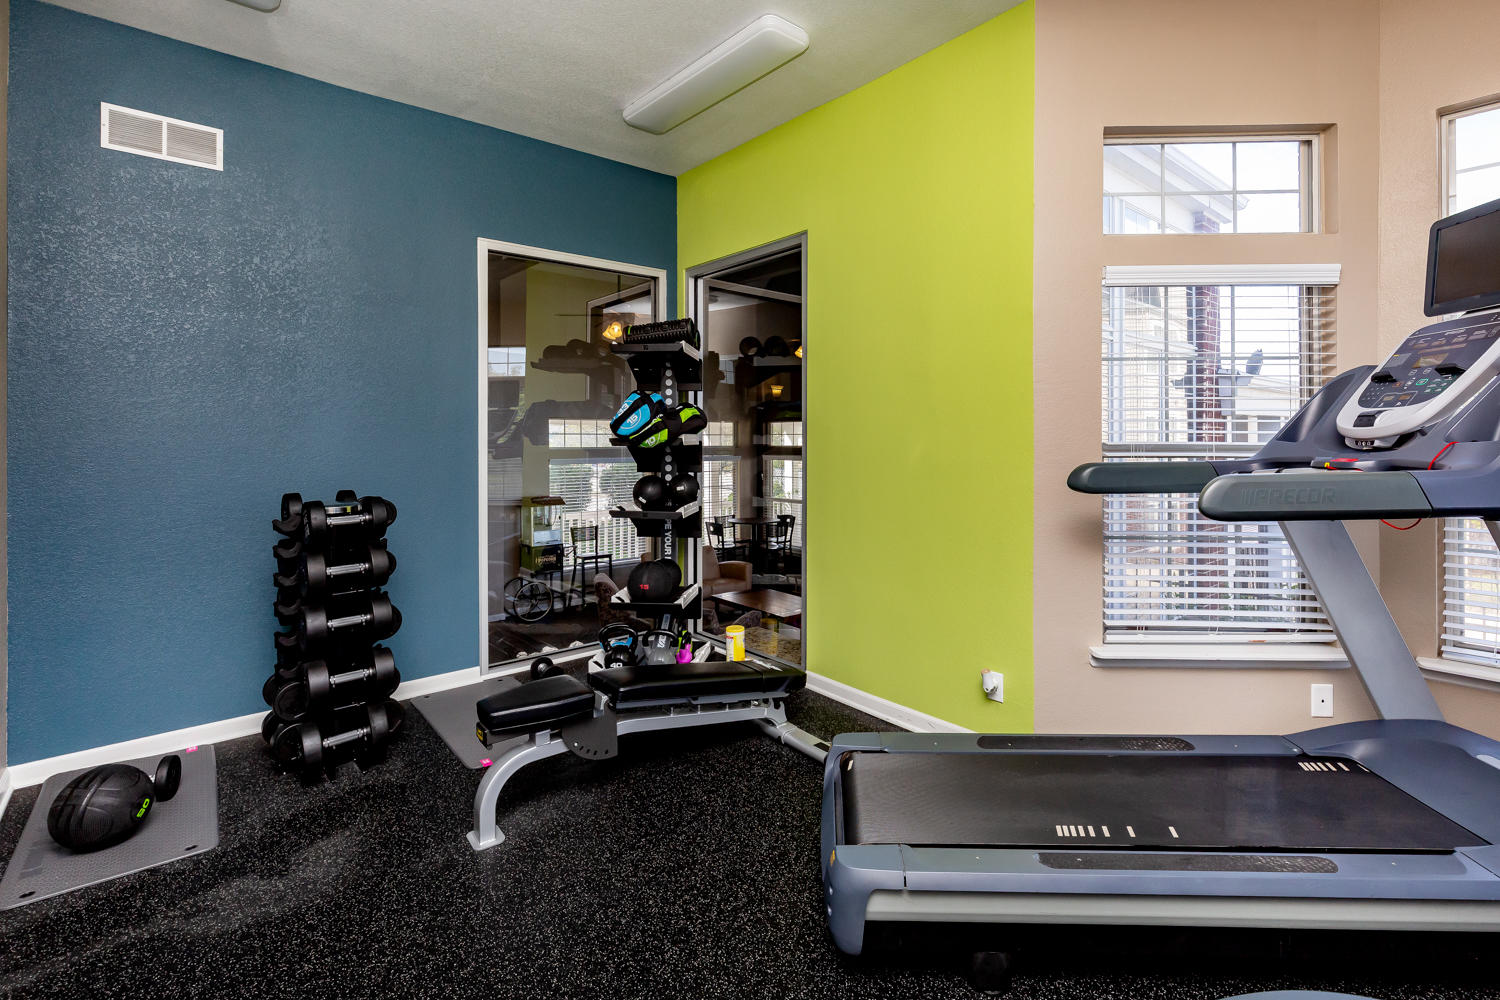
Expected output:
(586, 715)
(330, 690)
(1389, 824)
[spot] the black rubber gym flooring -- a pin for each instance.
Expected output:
(688, 867)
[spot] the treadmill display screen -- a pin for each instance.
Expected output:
(1463, 261)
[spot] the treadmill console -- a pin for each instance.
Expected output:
(1439, 367)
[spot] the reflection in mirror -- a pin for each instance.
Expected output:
(751, 317)
(551, 473)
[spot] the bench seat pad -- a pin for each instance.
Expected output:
(536, 705)
(624, 686)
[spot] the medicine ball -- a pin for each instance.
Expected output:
(749, 347)
(684, 489)
(654, 581)
(106, 805)
(639, 411)
(776, 347)
(651, 493)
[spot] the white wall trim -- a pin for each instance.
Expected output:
(1221, 274)
(37, 771)
(882, 708)
(5, 790)
(485, 246)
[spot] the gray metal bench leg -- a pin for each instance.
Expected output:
(782, 731)
(486, 832)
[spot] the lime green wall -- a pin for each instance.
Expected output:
(916, 194)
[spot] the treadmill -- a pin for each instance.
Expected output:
(1388, 824)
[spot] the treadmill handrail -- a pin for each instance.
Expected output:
(1314, 495)
(1141, 477)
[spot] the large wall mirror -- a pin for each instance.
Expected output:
(549, 474)
(750, 309)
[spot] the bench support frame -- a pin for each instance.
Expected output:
(768, 711)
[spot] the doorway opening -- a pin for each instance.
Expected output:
(548, 385)
(751, 312)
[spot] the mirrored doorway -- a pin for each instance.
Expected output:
(549, 385)
(751, 311)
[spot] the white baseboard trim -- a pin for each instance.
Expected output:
(882, 708)
(37, 771)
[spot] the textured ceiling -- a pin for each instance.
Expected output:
(561, 70)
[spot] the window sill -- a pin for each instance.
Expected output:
(1221, 656)
(1461, 672)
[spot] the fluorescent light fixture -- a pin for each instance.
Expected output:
(738, 61)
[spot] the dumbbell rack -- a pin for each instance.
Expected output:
(671, 369)
(329, 691)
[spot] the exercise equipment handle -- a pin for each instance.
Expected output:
(1314, 496)
(1141, 477)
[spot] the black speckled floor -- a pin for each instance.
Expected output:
(685, 868)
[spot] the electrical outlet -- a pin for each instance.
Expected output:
(993, 683)
(1322, 701)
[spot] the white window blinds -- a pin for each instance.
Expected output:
(1203, 363)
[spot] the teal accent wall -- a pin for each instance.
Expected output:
(185, 345)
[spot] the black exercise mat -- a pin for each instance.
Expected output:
(184, 825)
(1175, 801)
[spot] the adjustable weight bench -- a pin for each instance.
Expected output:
(566, 715)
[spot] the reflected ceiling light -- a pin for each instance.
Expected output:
(776, 390)
(614, 332)
(738, 61)
(798, 351)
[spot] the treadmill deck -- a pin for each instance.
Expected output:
(1176, 802)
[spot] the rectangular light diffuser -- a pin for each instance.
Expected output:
(746, 56)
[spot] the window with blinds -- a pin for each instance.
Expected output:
(589, 489)
(1203, 371)
(1471, 562)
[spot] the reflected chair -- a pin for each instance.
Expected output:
(585, 564)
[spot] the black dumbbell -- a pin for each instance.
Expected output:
(317, 687)
(369, 516)
(307, 748)
(314, 573)
(543, 666)
(289, 605)
(371, 616)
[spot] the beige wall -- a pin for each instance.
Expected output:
(1175, 63)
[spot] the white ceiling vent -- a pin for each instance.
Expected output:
(146, 134)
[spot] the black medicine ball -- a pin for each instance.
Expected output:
(651, 493)
(654, 581)
(749, 347)
(106, 805)
(684, 489)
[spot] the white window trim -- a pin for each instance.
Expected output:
(1161, 651)
(1220, 656)
(1312, 189)
(1446, 158)
(1460, 672)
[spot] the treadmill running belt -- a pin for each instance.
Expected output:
(1174, 801)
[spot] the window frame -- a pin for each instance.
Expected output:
(1310, 171)
(1447, 150)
